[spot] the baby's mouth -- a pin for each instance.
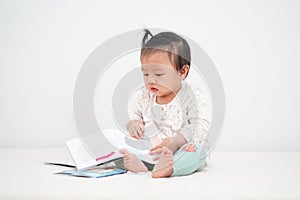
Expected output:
(153, 89)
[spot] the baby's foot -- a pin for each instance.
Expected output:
(190, 148)
(164, 166)
(132, 163)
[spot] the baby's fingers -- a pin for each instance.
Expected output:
(142, 127)
(155, 151)
(154, 148)
(156, 158)
(159, 146)
(134, 133)
(140, 131)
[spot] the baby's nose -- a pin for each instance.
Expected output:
(151, 79)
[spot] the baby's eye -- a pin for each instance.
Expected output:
(146, 74)
(159, 74)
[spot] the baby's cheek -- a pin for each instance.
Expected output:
(166, 82)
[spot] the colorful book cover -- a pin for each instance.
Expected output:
(94, 173)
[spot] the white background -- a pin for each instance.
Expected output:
(254, 45)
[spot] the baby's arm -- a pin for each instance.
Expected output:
(198, 117)
(137, 104)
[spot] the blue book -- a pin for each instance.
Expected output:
(94, 173)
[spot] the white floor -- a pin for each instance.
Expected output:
(229, 175)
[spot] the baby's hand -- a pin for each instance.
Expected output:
(136, 128)
(164, 143)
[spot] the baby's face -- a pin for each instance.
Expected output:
(160, 76)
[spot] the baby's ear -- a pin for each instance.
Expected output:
(184, 71)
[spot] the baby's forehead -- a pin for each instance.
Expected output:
(157, 61)
(157, 67)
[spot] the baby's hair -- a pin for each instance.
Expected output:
(176, 47)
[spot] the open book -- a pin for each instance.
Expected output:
(97, 172)
(104, 147)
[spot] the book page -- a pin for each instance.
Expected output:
(139, 147)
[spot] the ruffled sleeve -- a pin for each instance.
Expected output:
(197, 111)
(138, 104)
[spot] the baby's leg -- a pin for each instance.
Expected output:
(164, 166)
(132, 163)
(190, 158)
